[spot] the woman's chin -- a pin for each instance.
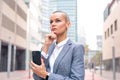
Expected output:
(54, 32)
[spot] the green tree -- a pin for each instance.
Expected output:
(96, 58)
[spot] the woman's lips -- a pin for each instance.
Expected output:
(53, 29)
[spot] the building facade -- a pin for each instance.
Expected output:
(34, 31)
(111, 35)
(20, 33)
(13, 27)
(45, 25)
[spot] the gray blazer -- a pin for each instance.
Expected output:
(69, 64)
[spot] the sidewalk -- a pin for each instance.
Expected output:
(17, 75)
(108, 75)
(90, 75)
(26, 75)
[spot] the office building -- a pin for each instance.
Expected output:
(99, 42)
(13, 30)
(20, 33)
(45, 26)
(34, 31)
(111, 36)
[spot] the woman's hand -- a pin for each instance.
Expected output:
(50, 38)
(48, 41)
(39, 70)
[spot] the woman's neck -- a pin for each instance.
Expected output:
(61, 38)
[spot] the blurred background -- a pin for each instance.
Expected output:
(94, 24)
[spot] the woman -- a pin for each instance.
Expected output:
(62, 58)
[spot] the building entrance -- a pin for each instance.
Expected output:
(17, 58)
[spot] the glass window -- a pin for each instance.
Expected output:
(111, 29)
(105, 35)
(108, 32)
(115, 24)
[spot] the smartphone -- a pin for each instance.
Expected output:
(36, 57)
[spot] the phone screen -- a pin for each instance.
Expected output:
(36, 57)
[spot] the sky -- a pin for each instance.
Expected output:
(90, 19)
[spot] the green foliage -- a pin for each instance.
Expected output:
(96, 58)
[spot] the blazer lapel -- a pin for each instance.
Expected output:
(61, 55)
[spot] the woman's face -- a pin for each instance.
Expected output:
(58, 23)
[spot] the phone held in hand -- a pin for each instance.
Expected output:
(36, 57)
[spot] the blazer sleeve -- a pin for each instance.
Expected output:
(37, 77)
(77, 71)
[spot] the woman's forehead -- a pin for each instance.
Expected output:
(57, 15)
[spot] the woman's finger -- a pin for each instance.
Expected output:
(42, 62)
(33, 64)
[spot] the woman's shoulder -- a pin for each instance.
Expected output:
(76, 44)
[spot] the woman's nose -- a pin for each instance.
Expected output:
(53, 23)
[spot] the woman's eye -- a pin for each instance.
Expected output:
(55, 21)
(58, 20)
(51, 22)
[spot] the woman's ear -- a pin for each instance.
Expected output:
(68, 24)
